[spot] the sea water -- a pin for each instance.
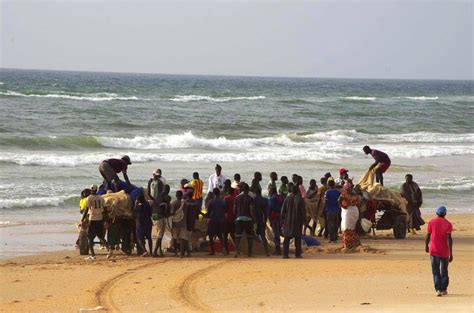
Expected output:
(56, 127)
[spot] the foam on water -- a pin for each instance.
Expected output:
(96, 97)
(33, 202)
(358, 98)
(190, 98)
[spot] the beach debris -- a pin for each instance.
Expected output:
(365, 303)
(97, 308)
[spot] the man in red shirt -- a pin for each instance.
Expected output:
(439, 244)
(381, 164)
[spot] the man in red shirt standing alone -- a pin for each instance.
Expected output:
(439, 244)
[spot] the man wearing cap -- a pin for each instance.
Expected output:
(381, 159)
(95, 208)
(439, 244)
(343, 177)
(111, 167)
(216, 180)
(156, 186)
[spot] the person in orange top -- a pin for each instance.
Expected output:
(197, 184)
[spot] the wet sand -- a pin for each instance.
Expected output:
(387, 275)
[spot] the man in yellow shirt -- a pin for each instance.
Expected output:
(95, 209)
(197, 184)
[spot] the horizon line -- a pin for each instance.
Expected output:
(230, 75)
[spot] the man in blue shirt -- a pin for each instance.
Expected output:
(333, 210)
(216, 212)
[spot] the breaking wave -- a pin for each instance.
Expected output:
(96, 97)
(190, 98)
(358, 98)
(189, 140)
(33, 202)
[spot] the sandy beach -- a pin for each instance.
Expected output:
(387, 275)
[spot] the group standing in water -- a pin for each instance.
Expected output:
(234, 207)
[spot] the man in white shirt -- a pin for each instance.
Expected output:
(216, 180)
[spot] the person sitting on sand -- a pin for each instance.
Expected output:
(412, 193)
(244, 213)
(332, 210)
(111, 167)
(349, 201)
(216, 180)
(144, 224)
(439, 244)
(283, 190)
(275, 201)
(215, 226)
(95, 210)
(381, 159)
(261, 217)
(293, 217)
(272, 183)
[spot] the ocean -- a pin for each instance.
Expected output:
(56, 127)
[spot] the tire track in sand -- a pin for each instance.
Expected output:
(186, 290)
(103, 295)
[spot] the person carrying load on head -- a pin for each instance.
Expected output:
(111, 167)
(381, 159)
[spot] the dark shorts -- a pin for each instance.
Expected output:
(144, 232)
(261, 230)
(241, 227)
(383, 167)
(215, 228)
(96, 229)
(107, 171)
(113, 236)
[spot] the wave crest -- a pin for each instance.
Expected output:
(96, 97)
(190, 98)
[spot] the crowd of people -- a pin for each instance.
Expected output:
(234, 207)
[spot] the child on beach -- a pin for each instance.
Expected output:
(439, 244)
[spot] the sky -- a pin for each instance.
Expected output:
(347, 39)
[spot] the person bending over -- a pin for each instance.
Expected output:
(111, 167)
(381, 159)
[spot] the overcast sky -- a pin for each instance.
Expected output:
(354, 39)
